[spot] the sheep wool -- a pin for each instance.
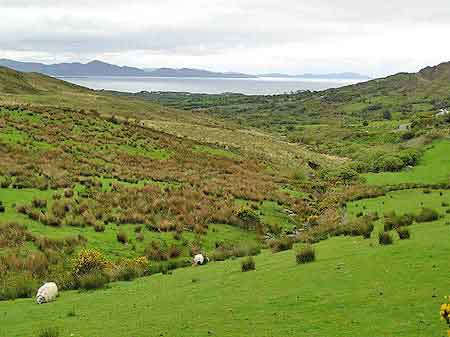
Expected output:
(47, 293)
(199, 259)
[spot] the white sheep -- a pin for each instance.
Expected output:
(198, 260)
(47, 293)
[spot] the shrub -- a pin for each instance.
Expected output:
(122, 237)
(20, 285)
(427, 215)
(174, 251)
(248, 264)
(385, 238)
(49, 332)
(305, 255)
(391, 221)
(99, 227)
(249, 219)
(88, 261)
(278, 245)
(156, 252)
(92, 280)
(68, 193)
(403, 233)
(444, 204)
(39, 203)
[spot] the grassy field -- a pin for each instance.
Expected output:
(433, 168)
(106, 241)
(356, 288)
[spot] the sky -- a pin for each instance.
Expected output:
(375, 38)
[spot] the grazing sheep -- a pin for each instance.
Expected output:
(198, 260)
(47, 293)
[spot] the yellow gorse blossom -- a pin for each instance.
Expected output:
(445, 313)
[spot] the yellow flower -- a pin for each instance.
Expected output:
(448, 333)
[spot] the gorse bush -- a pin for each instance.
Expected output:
(385, 238)
(87, 261)
(305, 255)
(248, 264)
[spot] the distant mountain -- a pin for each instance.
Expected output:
(94, 68)
(347, 76)
(188, 72)
(98, 68)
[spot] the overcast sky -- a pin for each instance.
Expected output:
(254, 36)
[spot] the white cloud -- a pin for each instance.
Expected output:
(241, 35)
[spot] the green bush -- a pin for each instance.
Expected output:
(305, 255)
(99, 227)
(122, 237)
(427, 215)
(403, 233)
(385, 238)
(248, 264)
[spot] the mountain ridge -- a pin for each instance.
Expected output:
(100, 68)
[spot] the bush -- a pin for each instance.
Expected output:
(49, 332)
(88, 261)
(39, 203)
(92, 280)
(403, 233)
(427, 215)
(385, 238)
(305, 255)
(248, 264)
(249, 219)
(68, 193)
(278, 245)
(99, 227)
(122, 237)
(391, 221)
(155, 251)
(14, 286)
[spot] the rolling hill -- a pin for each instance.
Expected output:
(111, 195)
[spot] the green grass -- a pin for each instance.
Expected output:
(433, 168)
(215, 151)
(354, 288)
(405, 201)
